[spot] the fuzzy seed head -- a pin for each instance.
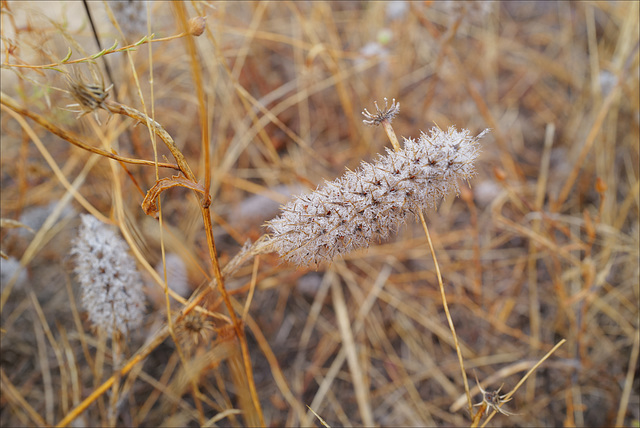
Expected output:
(111, 285)
(370, 203)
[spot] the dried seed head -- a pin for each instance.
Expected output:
(493, 400)
(194, 328)
(387, 114)
(89, 96)
(369, 204)
(111, 285)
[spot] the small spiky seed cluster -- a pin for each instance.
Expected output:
(388, 113)
(89, 96)
(370, 203)
(111, 285)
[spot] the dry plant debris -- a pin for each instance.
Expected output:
(218, 104)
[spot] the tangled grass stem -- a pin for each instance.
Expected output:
(10, 103)
(117, 108)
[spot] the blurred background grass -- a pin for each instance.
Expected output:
(543, 246)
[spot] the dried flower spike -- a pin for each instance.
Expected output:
(370, 203)
(111, 285)
(381, 115)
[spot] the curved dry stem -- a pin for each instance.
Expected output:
(10, 103)
(183, 166)
(394, 142)
(91, 58)
(122, 109)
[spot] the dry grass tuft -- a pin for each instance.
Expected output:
(537, 261)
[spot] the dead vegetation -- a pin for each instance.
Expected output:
(543, 247)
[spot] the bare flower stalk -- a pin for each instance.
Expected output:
(10, 103)
(371, 203)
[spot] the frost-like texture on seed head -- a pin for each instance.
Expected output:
(370, 203)
(111, 285)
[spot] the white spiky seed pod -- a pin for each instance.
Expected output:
(370, 203)
(111, 284)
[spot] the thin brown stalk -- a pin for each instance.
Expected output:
(394, 141)
(73, 139)
(108, 51)
(588, 144)
(14, 396)
(446, 310)
(628, 380)
(136, 359)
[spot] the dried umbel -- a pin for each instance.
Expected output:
(385, 115)
(89, 96)
(492, 400)
(369, 204)
(194, 329)
(111, 285)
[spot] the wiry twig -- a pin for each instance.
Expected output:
(66, 135)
